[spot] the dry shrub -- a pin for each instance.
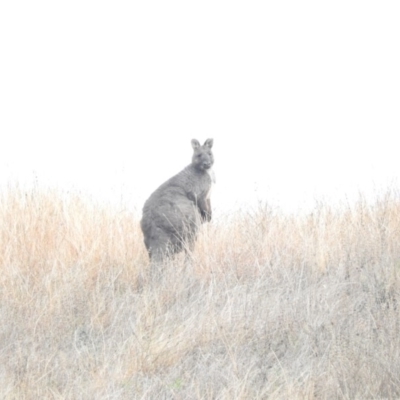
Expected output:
(270, 305)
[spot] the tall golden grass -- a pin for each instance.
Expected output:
(271, 305)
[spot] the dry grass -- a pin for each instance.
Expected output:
(272, 306)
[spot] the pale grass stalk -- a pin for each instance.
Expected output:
(272, 306)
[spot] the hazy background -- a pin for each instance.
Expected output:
(302, 98)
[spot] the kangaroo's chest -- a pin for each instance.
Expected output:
(211, 174)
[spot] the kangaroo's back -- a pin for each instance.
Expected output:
(174, 211)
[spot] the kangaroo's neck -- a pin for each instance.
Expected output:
(194, 170)
(191, 169)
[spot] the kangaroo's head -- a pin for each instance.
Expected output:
(203, 158)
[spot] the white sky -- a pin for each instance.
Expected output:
(302, 98)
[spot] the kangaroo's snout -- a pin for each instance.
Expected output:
(206, 165)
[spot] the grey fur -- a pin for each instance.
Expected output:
(173, 213)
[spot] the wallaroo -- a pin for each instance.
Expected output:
(173, 213)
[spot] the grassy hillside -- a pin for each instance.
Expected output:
(272, 306)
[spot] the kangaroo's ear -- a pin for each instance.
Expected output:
(209, 143)
(195, 144)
